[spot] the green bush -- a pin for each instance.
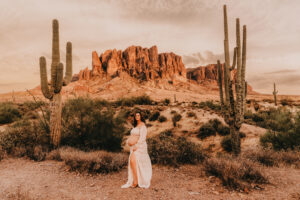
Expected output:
(9, 113)
(165, 149)
(131, 101)
(87, 127)
(25, 138)
(154, 116)
(162, 118)
(286, 137)
(176, 117)
(210, 104)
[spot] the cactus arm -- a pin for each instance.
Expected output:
(68, 74)
(44, 79)
(243, 69)
(234, 59)
(220, 81)
(55, 42)
(59, 78)
(227, 57)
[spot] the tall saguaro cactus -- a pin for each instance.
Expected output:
(275, 95)
(52, 91)
(234, 107)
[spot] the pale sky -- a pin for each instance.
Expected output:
(190, 28)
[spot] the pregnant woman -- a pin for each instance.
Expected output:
(139, 163)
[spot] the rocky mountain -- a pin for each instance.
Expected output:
(210, 73)
(141, 63)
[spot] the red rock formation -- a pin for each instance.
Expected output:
(210, 72)
(138, 62)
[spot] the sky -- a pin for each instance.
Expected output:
(190, 28)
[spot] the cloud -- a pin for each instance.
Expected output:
(197, 59)
(282, 71)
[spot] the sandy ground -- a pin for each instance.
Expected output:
(51, 180)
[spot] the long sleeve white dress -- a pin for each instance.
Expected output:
(143, 162)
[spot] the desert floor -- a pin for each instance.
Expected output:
(52, 180)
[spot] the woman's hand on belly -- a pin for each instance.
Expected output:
(134, 148)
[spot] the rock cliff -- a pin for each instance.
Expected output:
(141, 63)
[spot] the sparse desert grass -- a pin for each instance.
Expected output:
(166, 149)
(9, 113)
(235, 173)
(90, 162)
(19, 194)
(270, 157)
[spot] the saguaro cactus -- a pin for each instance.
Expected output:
(234, 111)
(275, 94)
(52, 91)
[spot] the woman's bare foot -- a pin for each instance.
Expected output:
(134, 185)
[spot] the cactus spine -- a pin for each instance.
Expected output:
(275, 94)
(234, 111)
(57, 81)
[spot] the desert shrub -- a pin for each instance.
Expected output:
(223, 130)
(191, 114)
(176, 117)
(25, 138)
(173, 112)
(86, 127)
(9, 113)
(281, 140)
(166, 149)
(166, 101)
(210, 104)
(285, 102)
(154, 116)
(162, 118)
(206, 130)
(32, 105)
(235, 173)
(131, 101)
(270, 157)
(286, 136)
(91, 162)
(2, 153)
(226, 142)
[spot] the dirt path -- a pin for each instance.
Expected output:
(51, 180)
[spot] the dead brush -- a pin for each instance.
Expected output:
(235, 173)
(269, 157)
(90, 162)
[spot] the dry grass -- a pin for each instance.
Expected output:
(19, 194)
(91, 162)
(235, 173)
(270, 157)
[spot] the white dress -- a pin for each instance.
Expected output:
(143, 162)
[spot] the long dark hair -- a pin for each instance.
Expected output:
(134, 120)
